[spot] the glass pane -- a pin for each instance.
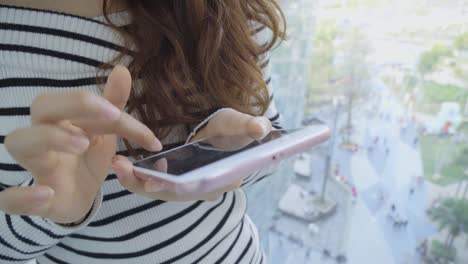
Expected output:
(391, 79)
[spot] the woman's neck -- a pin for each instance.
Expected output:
(85, 8)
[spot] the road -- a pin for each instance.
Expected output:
(384, 167)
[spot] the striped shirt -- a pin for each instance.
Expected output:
(43, 51)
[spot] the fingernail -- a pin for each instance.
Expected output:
(116, 168)
(265, 124)
(156, 146)
(42, 195)
(80, 143)
(155, 186)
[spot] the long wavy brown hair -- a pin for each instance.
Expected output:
(191, 57)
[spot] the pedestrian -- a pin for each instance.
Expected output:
(337, 169)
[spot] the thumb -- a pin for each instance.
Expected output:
(258, 127)
(26, 200)
(118, 86)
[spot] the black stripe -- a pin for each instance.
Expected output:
(277, 126)
(116, 195)
(124, 214)
(253, 256)
(268, 81)
(61, 33)
(250, 177)
(255, 251)
(4, 185)
(257, 30)
(111, 177)
(55, 260)
(147, 250)
(31, 181)
(18, 236)
(3, 257)
(264, 64)
(247, 247)
(263, 177)
(53, 12)
(261, 259)
(142, 230)
(219, 242)
(275, 117)
(15, 111)
(31, 82)
(221, 259)
(248, 182)
(49, 233)
(208, 237)
(2, 139)
(11, 167)
(52, 53)
(8, 245)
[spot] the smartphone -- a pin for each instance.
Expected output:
(212, 163)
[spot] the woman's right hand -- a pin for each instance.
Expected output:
(69, 147)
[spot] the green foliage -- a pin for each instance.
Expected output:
(366, 3)
(410, 81)
(451, 214)
(321, 69)
(462, 158)
(451, 170)
(430, 59)
(326, 33)
(441, 251)
(461, 42)
(439, 93)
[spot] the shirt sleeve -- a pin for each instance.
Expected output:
(23, 238)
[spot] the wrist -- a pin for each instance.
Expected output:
(79, 222)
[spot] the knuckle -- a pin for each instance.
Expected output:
(84, 99)
(7, 206)
(9, 140)
(12, 138)
(37, 103)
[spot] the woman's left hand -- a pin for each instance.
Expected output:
(227, 122)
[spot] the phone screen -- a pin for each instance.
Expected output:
(189, 157)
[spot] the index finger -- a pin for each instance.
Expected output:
(93, 114)
(126, 126)
(57, 106)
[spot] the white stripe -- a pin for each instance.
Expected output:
(67, 23)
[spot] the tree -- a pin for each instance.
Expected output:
(452, 215)
(354, 71)
(322, 69)
(461, 42)
(430, 59)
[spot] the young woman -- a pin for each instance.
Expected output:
(84, 83)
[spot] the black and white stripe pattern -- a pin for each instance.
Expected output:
(42, 52)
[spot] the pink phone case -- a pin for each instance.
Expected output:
(260, 159)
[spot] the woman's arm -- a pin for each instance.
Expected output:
(23, 238)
